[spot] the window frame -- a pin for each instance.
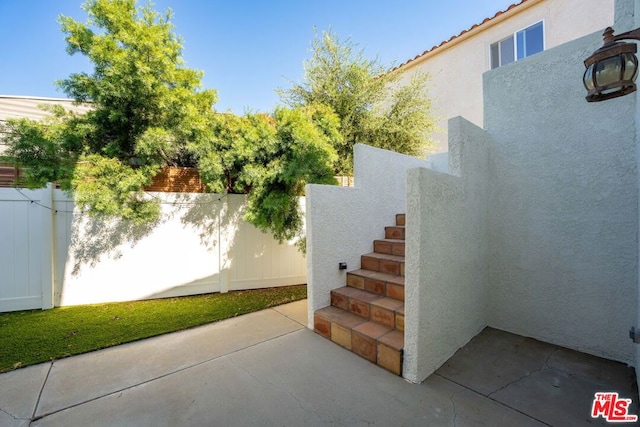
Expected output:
(514, 39)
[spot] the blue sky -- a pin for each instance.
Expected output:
(247, 49)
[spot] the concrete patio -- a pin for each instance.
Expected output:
(267, 369)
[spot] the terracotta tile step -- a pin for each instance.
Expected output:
(373, 341)
(384, 263)
(383, 284)
(400, 219)
(394, 232)
(390, 351)
(354, 300)
(389, 246)
(384, 310)
(400, 319)
(322, 320)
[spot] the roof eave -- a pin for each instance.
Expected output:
(512, 10)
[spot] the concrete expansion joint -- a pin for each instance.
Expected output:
(288, 317)
(44, 383)
(150, 380)
(116, 392)
(544, 366)
(489, 397)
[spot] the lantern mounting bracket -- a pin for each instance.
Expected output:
(609, 38)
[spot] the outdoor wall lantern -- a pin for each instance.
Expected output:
(612, 70)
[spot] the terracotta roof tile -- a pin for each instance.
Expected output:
(460, 34)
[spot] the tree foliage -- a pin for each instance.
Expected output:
(224, 160)
(147, 110)
(48, 150)
(146, 107)
(373, 105)
(271, 158)
(302, 153)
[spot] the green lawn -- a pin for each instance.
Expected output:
(30, 337)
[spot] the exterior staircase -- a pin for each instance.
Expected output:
(367, 315)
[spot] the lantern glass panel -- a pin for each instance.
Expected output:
(631, 67)
(609, 71)
(588, 78)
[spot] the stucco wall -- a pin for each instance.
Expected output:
(534, 230)
(563, 220)
(627, 18)
(447, 247)
(342, 222)
(456, 68)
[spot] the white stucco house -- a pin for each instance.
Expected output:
(530, 227)
(456, 65)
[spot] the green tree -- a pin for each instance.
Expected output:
(148, 111)
(302, 154)
(147, 106)
(271, 158)
(373, 105)
(236, 142)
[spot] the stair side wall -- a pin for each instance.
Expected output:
(446, 281)
(343, 222)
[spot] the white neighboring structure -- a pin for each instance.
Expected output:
(456, 65)
(17, 107)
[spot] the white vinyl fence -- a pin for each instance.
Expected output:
(53, 254)
(26, 270)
